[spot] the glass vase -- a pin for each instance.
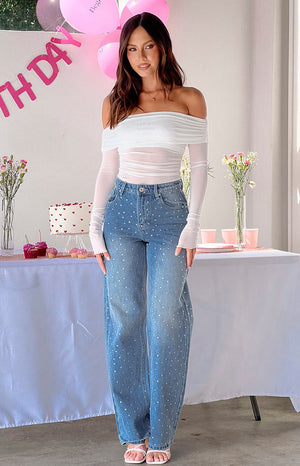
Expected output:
(240, 215)
(185, 173)
(7, 227)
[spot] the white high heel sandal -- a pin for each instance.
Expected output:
(138, 449)
(166, 451)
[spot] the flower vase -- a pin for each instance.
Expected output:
(7, 227)
(240, 219)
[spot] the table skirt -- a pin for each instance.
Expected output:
(53, 366)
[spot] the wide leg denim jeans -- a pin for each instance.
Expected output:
(148, 313)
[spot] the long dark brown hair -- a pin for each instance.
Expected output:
(124, 96)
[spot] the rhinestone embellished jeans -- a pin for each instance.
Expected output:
(148, 313)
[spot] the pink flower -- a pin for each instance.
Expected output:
(4, 157)
(9, 161)
(232, 156)
(240, 153)
(225, 156)
(246, 162)
(2, 168)
(23, 161)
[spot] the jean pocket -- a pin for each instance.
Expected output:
(173, 199)
(112, 195)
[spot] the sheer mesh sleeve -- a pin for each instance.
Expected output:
(198, 159)
(105, 182)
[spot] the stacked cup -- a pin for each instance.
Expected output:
(208, 236)
(250, 236)
(229, 236)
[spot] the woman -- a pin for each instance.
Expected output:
(144, 237)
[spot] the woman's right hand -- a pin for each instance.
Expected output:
(101, 262)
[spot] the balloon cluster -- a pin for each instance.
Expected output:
(97, 17)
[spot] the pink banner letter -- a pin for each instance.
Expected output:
(26, 87)
(52, 60)
(69, 39)
(2, 103)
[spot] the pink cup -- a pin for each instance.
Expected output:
(208, 236)
(229, 236)
(250, 236)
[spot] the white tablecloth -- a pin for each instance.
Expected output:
(52, 358)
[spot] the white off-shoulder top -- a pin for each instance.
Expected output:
(147, 148)
(170, 130)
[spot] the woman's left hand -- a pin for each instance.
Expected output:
(190, 254)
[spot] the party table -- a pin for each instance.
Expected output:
(52, 358)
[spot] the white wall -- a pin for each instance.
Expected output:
(280, 127)
(294, 126)
(267, 206)
(260, 115)
(60, 133)
(213, 45)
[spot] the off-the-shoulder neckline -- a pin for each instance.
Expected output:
(168, 112)
(161, 113)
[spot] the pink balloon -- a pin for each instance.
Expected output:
(159, 8)
(91, 16)
(108, 53)
(49, 15)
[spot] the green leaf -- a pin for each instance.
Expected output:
(19, 15)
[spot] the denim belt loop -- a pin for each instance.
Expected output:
(156, 191)
(122, 185)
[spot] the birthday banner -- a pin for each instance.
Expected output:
(86, 16)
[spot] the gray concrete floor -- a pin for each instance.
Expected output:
(209, 434)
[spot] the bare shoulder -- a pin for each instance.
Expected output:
(194, 101)
(106, 112)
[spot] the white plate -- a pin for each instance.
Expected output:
(216, 247)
